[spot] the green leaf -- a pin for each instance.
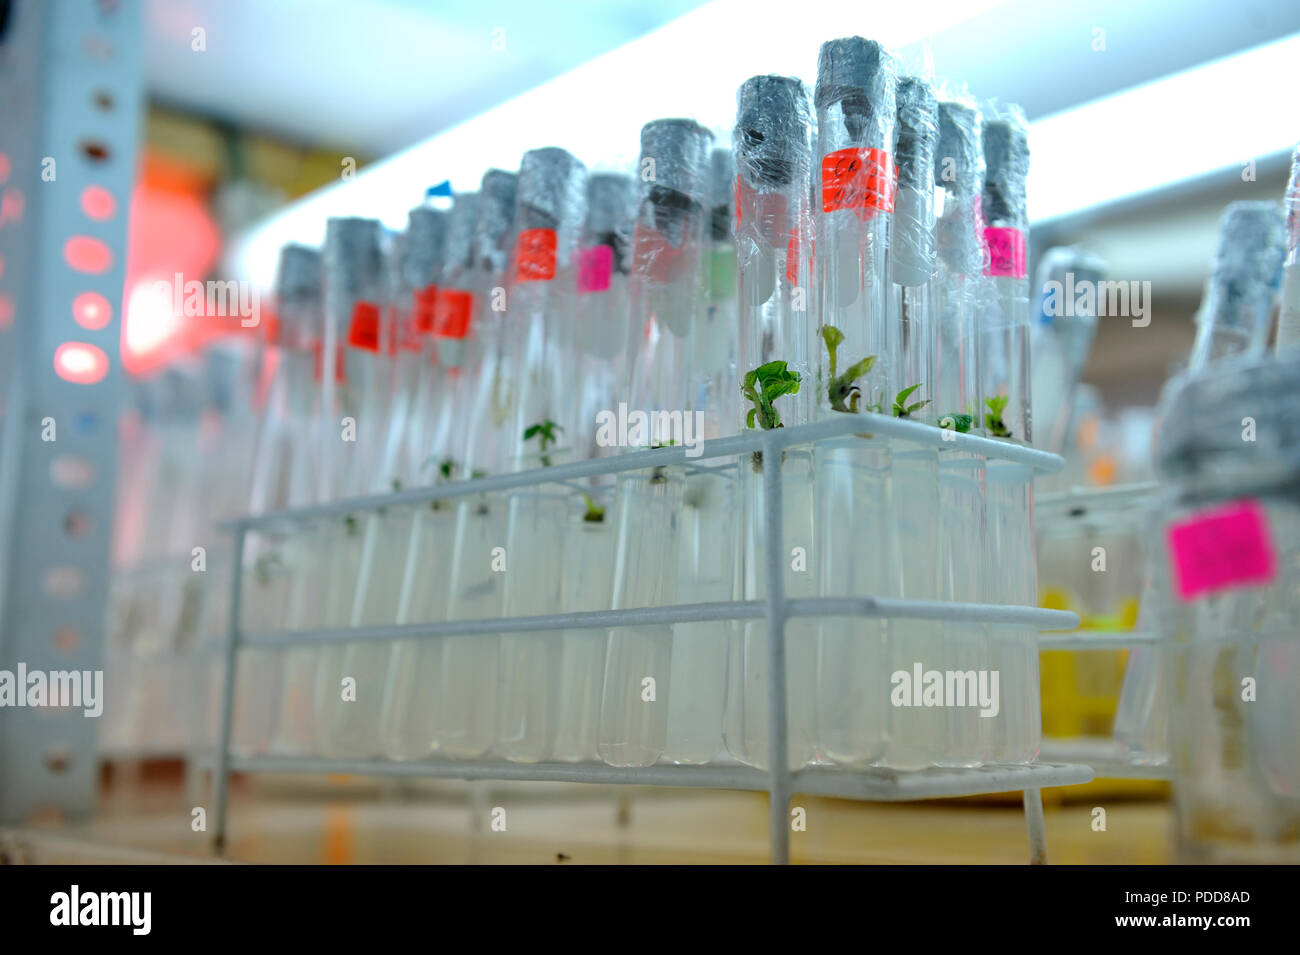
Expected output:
(857, 370)
(832, 336)
(532, 431)
(903, 395)
(749, 418)
(998, 403)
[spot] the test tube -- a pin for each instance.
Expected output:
(917, 735)
(550, 210)
(856, 105)
(777, 384)
(1004, 364)
(960, 290)
(1288, 322)
(604, 264)
(668, 294)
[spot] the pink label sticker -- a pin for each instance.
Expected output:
(1222, 549)
(1006, 252)
(595, 266)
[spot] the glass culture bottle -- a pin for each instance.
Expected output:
(1004, 364)
(856, 113)
(550, 210)
(604, 264)
(1288, 322)
(777, 385)
(668, 296)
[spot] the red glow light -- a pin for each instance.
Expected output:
(80, 363)
(91, 310)
(11, 205)
(87, 255)
(98, 203)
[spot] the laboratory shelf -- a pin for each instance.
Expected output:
(779, 782)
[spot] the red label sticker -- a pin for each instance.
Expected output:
(452, 313)
(595, 266)
(425, 302)
(860, 179)
(1006, 252)
(363, 330)
(535, 255)
(1222, 549)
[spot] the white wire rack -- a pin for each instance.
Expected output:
(779, 782)
(1121, 503)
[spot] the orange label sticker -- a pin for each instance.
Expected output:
(859, 179)
(535, 255)
(452, 313)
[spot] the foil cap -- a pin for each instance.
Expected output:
(297, 280)
(496, 213)
(917, 134)
(353, 260)
(679, 149)
(422, 248)
(1006, 158)
(771, 138)
(1252, 247)
(551, 191)
(462, 223)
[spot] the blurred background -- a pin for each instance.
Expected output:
(194, 137)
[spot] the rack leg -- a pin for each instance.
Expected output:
(778, 789)
(1037, 828)
(221, 760)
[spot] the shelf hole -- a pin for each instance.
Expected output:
(98, 203)
(57, 758)
(67, 640)
(76, 524)
(63, 581)
(71, 472)
(80, 363)
(103, 100)
(86, 254)
(94, 149)
(91, 310)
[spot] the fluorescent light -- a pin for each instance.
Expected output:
(689, 67)
(1213, 117)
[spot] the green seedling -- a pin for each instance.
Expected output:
(957, 422)
(762, 386)
(901, 408)
(842, 390)
(595, 513)
(545, 432)
(265, 567)
(993, 417)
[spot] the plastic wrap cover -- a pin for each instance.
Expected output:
(861, 76)
(552, 194)
(771, 138)
(1248, 260)
(1006, 158)
(496, 214)
(353, 261)
(959, 170)
(426, 233)
(462, 225)
(611, 212)
(297, 292)
(913, 244)
(1200, 424)
(722, 194)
